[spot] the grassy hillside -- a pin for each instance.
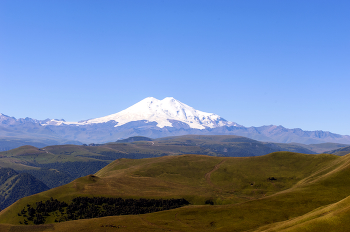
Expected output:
(333, 217)
(323, 147)
(29, 157)
(340, 151)
(8, 143)
(248, 193)
(60, 164)
(220, 180)
(227, 145)
(53, 165)
(14, 186)
(230, 146)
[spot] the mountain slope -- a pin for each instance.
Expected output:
(340, 151)
(60, 164)
(247, 193)
(163, 112)
(154, 118)
(14, 186)
(333, 217)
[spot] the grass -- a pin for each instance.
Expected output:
(306, 186)
(27, 157)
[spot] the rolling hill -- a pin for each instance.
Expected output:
(61, 164)
(14, 185)
(340, 151)
(275, 192)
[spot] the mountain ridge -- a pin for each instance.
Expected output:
(14, 185)
(155, 118)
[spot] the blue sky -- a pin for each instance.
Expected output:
(252, 62)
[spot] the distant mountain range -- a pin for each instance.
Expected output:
(152, 118)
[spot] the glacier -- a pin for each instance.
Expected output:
(162, 112)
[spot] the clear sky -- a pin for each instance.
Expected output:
(252, 62)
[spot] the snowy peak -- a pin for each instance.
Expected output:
(161, 111)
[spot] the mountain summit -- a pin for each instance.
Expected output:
(163, 112)
(152, 118)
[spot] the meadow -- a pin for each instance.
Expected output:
(275, 192)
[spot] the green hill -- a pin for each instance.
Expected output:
(226, 194)
(61, 164)
(340, 151)
(14, 186)
(53, 165)
(234, 181)
(333, 217)
(134, 139)
(8, 143)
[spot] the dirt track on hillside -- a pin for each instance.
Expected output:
(207, 175)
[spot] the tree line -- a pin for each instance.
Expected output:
(92, 207)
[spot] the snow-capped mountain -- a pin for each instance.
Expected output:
(163, 112)
(154, 118)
